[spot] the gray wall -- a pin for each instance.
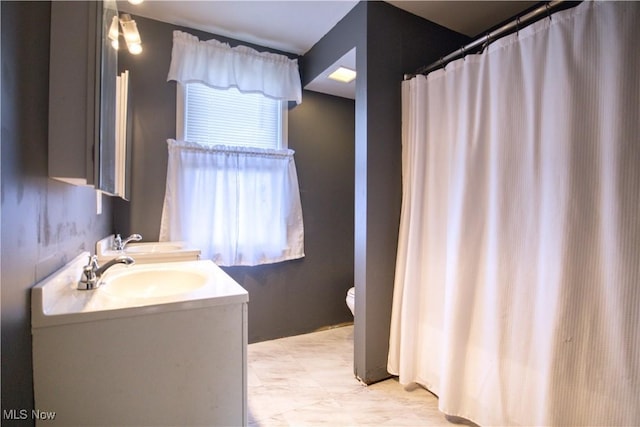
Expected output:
(300, 296)
(389, 43)
(286, 298)
(45, 223)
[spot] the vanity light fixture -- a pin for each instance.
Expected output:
(343, 74)
(135, 2)
(131, 34)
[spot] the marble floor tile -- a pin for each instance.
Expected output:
(308, 380)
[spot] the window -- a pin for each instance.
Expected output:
(232, 188)
(228, 117)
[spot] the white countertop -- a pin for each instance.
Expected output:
(56, 300)
(147, 252)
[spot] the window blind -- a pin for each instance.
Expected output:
(229, 117)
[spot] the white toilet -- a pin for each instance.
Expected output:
(351, 298)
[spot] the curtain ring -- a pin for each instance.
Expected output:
(546, 6)
(464, 53)
(518, 26)
(487, 40)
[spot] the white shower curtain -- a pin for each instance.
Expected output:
(517, 292)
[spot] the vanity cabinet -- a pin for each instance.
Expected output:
(82, 94)
(105, 359)
(177, 368)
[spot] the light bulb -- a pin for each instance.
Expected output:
(134, 48)
(113, 29)
(129, 29)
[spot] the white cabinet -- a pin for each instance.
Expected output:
(181, 363)
(82, 95)
(74, 89)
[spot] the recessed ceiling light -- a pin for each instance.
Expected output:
(343, 74)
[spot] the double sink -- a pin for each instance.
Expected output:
(164, 274)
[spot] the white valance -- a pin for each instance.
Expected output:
(218, 65)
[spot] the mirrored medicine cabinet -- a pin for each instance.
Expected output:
(88, 132)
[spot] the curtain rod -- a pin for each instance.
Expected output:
(523, 20)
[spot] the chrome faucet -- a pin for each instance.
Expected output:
(119, 244)
(92, 272)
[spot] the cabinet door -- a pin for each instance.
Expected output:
(73, 87)
(82, 94)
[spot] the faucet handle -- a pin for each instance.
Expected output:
(93, 261)
(89, 279)
(117, 242)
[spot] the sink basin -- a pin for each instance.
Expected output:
(133, 290)
(147, 252)
(152, 283)
(154, 247)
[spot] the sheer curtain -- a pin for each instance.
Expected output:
(517, 291)
(239, 206)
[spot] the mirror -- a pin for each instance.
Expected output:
(111, 157)
(108, 69)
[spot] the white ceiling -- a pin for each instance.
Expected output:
(323, 84)
(295, 26)
(291, 26)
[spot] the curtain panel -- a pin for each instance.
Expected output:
(218, 65)
(517, 290)
(239, 206)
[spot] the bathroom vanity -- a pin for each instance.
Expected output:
(164, 345)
